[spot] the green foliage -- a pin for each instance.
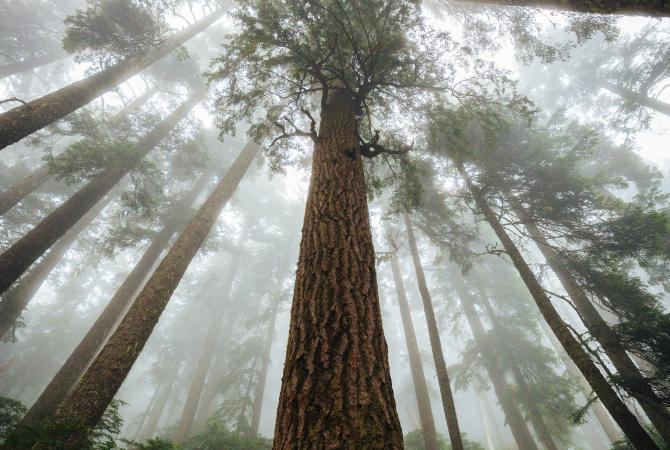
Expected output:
(414, 441)
(217, 436)
(11, 412)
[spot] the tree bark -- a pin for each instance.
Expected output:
(86, 404)
(39, 176)
(7, 70)
(336, 389)
(259, 391)
(515, 420)
(598, 327)
(654, 8)
(631, 427)
(18, 258)
(418, 377)
(533, 412)
(24, 120)
(636, 97)
(435, 344)
(16, 299)
(208, 348)
(75, 366)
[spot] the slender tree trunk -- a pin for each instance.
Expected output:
(598, 327)
(16, 299)
(494, 437)
(7, 70)
(158, 407)
(242, 417)
(86, 404)
(18, 258)
(515, 419)
(75, 366)
(208, 349)
(534, 414)
(24, 120)
(654, 8)
(39, 176)
(420, 386)
(435, 344)
(265, 364)
(631, 427)
(636, 97)
(144, 416)
(336, 390)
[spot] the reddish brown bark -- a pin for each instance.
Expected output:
(336, 389)
(654, 8)
(24, 120)
(420, 386)
(18, 258)
(85, 405)
(435, 344)
(631, 427)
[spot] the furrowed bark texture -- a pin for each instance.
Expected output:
(39, 176)
(75, 366)
(16, 299)
(654, 8)
(598, 327)
(534, 414)
(636, 97)
(336, 388)
(18, 258)
(7, 70)
(85, 405)
(206, 355)
(24, 120)
(631, 427)
(513, 416)
(435, 344)
(259, 390)
(420, 386)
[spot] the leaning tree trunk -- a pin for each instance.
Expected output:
(504, 338)
(16, 259)
(336, 389)
(654, 8)
(156, 411)
(435, 344)
(206, 354)
(7, 70)
(85, 405)
(598, 327)
(24, 120)
(515, 420)
(636, 97)
(12, 196)
(16, 299)
(259, 391)
(75, 366)
(420, 386)
(630, 425)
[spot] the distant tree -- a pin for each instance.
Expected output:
(646, 7)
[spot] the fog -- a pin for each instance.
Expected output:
(351, 224)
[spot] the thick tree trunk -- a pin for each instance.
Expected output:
(636, 97)
(75, 366)
(435, 344)
(24, 120)
(336, 389)
(259, 391)
(39, 176)
(598, 327)
(631, 427)
(534, 414)
(16, 299)
(86, 404)
(654, 8)
(16, 259)
(206, 355)
(7, 70)
(420, 386)
(514, 418)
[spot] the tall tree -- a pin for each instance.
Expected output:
(644, 7)
(85, 405)
(435, 344)
(24, 120)
(18, 258)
